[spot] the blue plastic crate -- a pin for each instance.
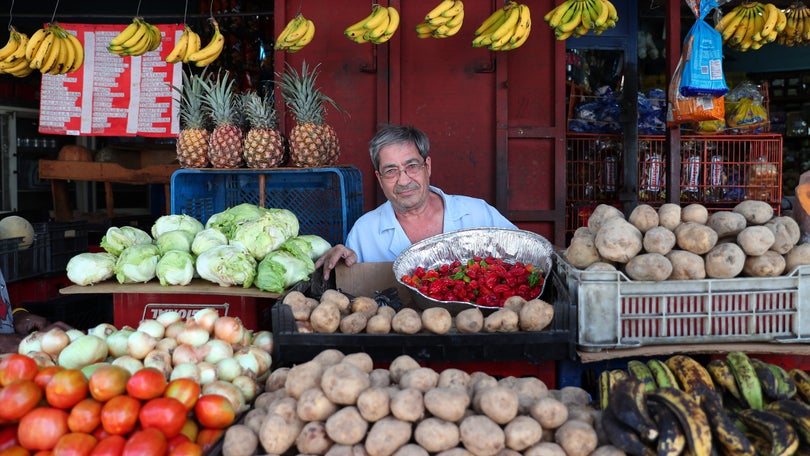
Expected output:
(33, 261)
(327, 201)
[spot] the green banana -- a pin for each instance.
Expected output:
(622, 437)
(640, 370)
(628, 403)
(767, 379)
(671, 438)
(693, 419)
(604, 389)
(691, 375)
(746, 377)
(785, 386)
(723, 378)
(664, 377)
(782, 438)
(729, 436)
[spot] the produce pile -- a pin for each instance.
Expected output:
(341, 404)
(335, 312)
(243, 245)
(736, 405)
(167, 384)
(674, 243)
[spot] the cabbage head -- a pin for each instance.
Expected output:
(137, 263)
(310, 245)
(88, 268)
(174, 222)
(116, 239)
(260, 236)
(174, 240)
(228, 220)
(227, 265)
(175, 267)
(281, 269)
(207, 239)
(285, 219)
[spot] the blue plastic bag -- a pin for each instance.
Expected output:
(703, 58)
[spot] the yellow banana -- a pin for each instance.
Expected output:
(456, 20)
(157, 37)
(180, 47)
(377, 32)
(282, 37)
(136, 38)
(602, 12)
(445, 31)
(53, 60)
(126, 34)
(308, 36)
(524, 24)
(79, 50)
(458, 6)
(571, 20)
(19, 53)
(298, 30)
(393, 21)
(727, 18)
(210, 51)
(731, 27)
(780, 21)
(772, 13)
(490, 21)
(587, 17)
(741, 29)
(19, 69)
(139, 47)
(378, 16)
(556, 14)
(11, 45)
(613, 15)
(437, 11)
(194, 44)
(34, 42)
(357, 26)
(441, 20)
(68, 54)
(508, 25)
(42, 52)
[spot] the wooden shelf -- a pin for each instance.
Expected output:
(197, 286)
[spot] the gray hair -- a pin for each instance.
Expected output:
(396, 134)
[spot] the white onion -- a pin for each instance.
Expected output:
(229, 391)
(168, 317)
(167, 344)
(54, 340)
(41, 358)
(74, 333)
(206, 318)
(264, 340)
(217, 349)
(160, 360)
(229, 329)
(30, 343)
(117, 342)
(228, 369)
(265, 360)
(185, 370)
(129, 363)
(245, 340)
(208, 372)
(193, 334)
(248, 386)
(83, 351)
(174, 329)
(152, 327)
(102, 330)
(185, 353)
(139, 344)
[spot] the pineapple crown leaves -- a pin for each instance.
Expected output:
(301, 96)
(259, 110)
(190, 100)
(220, 100)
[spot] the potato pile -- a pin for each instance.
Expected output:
(683, 243)
(335, 312)
(341, 405)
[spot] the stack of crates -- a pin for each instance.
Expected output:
(23, 263)
(327, 201)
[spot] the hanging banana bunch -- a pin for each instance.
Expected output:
(211, 51)
(188, 43)
(137, 38)
(53, 50)
(298, 33)
(797, 26)
(12, 55)
(751, 25)
(378, 27)
(443, 21)
(505, 29)
(578, 17)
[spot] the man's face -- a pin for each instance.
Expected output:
(404, 176)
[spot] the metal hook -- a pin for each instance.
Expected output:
(53, 16)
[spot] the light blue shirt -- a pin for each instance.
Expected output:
(378, 236)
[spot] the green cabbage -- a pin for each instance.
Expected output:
(116, 239)
(174, 240)
(260, 236)
(90, 267)
(207, 239)
(281, 269)
(137, 263)
(227, 265)
(228, 220)
(310, 245)
(175, 267)
(174, 222)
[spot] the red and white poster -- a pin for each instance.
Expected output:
(111, 95)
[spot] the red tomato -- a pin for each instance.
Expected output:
(186, 449)
(120, 414)
(85, 416)
(42, 427)
(15, 367)
(8, 436)
(45, 374)
(75, 444)
(146, 383)
(177, 440)
(185, 390)
(208, 437)
(146, 441)
(18, 398)
(108, 381)
(66, 388)
(166, 414)
(15, 450)
(214, 411)
(190, 429)
(112, 445)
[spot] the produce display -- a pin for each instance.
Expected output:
(578, 17)
(378, 27)
(684, 243)
(505, 29)
(51, 50)
(245, 245)
(340, 404)
(443, 21)
(336, 312)
(750, 25)
(296, 34)
(138, 38)
(734, 404)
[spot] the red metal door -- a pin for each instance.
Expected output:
(496, 120)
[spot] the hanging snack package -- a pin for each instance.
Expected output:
(703, 58)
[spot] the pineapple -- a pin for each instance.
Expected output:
(264, 145)
(312, 142)
(192, 142)
(225, 143)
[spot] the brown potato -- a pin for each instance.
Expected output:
(545, 448)
(254, 419)
(313, 405)
(406, 321)
(498, 403)
(454, 378)
(374, 404)
(304, 327)
(577, 438)
(239, 440)
(329, 357)
(686, 265)
(337, 298)
(549, 412)
(582, 251)
(659, 240)
(644, 217)
(346, 426)
(386, 311)
(435, 434)
(313, 439)
(669, 215)
(798, 255)
(353, 323)
(362, 360)
(601, 266)
(695, 237)
(379, 377)
(408, 405)
(529, 390)
(387, 436)
(514, 303)
(574, 395)
(400, 365)
(727, 223)
(303, 377)
(755, 212)
(437, 320)
(276, 379)
(695, 212)
(469, 321)
(299, 305)
(608, 450)
(724, 261)
(535, 315)
(411, 449)
(286, 407)
(649, 266)
(600, 215)
(378, 324)
(457, 451)
(522, 432)
(325, 318)
(277, 434)
(769, 264)
(618, 240)
(502, 320)
(420, 378)
(786, 233)
(482, 436)
(365, 305)
(343, 383)
(447, 403)
(756, 240)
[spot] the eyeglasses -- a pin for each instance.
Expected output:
(411, 169)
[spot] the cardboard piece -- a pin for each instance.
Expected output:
(366, 279)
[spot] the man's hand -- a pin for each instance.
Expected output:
(26, 323)
(10, 343)
(332, 256)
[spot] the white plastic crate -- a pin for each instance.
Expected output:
(614, 311)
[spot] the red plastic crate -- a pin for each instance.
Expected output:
(130, 308)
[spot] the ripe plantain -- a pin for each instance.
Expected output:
(692, 418)
(725, 432)
(663, 376)
(746, 377)
(796, 413)
(671, 438)
(639, 370)
(628, 403)
(623, 437)
(780, 435)
(691, 375)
